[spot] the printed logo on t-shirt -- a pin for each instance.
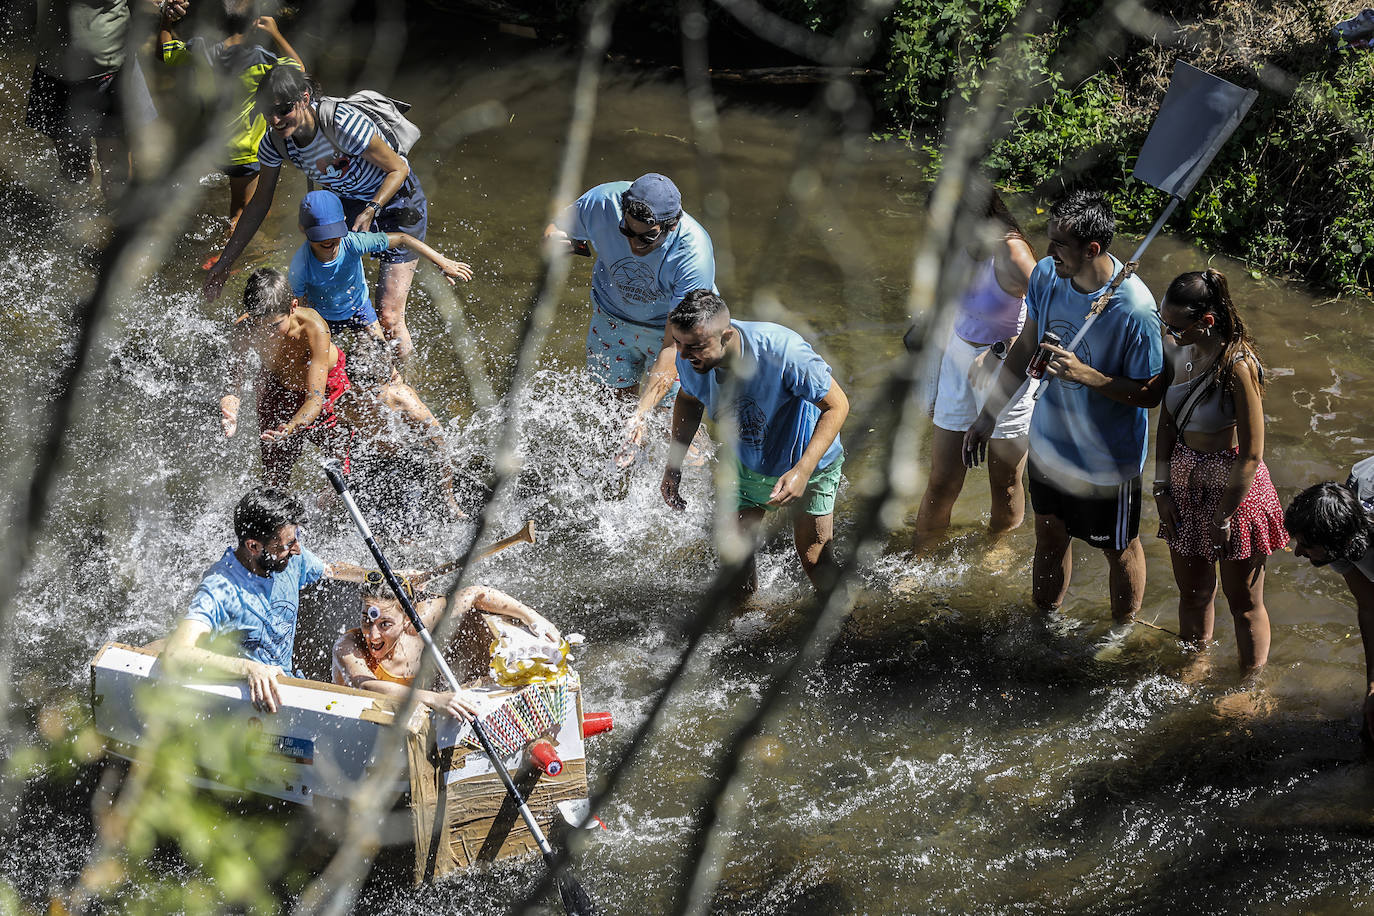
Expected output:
(276, 629)
(1084, 352)
(333, 167)
(635, 281)
(752, 424)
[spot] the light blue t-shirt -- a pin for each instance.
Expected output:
(1075, 431)
(639, 290)
(261, 609)
(779, 379)
(336, 289)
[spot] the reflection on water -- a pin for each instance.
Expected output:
(955, 752)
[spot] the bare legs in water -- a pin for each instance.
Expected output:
(1006, 462)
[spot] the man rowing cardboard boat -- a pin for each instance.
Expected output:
(252, 596)
(322, 741)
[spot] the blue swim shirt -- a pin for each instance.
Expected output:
(639, 290)
(336, 289)
(779, 379)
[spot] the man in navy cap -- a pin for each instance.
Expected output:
(649, 254)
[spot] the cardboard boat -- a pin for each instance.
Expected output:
(324, 741)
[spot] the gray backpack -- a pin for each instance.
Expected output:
(1361, 481)
(389, 115)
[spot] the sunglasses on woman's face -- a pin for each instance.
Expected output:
(285, 108)
(1175, 333)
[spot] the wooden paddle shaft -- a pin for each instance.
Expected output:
(524, 535)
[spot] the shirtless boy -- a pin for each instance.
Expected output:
(302, 375)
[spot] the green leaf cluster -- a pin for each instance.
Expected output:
(238, 859)
(1289, 193)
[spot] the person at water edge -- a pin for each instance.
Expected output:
(990, 316)
(1217, 505)
(238, 62)
(1088, 432)
(649, 255)
(326, 272)
(301, 377)
(788, 409)
(399, 461)
(1332, 526)
(86, 86)
(251, 597)
(375, 182)
(383, 652)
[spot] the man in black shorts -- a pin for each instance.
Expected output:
(1089, 430)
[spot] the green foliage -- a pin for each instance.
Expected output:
(1288, 193)
(936, 50)
(239, 859)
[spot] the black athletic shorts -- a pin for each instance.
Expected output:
(1107, 517)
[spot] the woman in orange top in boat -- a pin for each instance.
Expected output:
(384, 652)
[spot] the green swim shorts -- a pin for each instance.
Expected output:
(818, 499)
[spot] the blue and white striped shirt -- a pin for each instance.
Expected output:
(342, 170)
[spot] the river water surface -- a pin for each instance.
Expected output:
(954, 752)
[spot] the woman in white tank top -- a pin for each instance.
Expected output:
(990, 316)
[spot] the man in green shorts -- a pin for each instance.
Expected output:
(788, 411)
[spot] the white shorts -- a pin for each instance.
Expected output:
(958, 400)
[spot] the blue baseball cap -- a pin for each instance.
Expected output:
(659, 193)
(322, 216)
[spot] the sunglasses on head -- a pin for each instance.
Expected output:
(647, 238)
(375, 578)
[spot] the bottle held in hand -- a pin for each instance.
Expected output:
(1036, 367)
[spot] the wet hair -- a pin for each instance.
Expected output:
(369, 364)
(282, 85)
(639, 210)
(1205, 292)
(698, 308)
(264, 512)
(239, 15)
(1330, 516)
(266, 293)
(1086, 216)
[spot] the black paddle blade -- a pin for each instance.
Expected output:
(576, 902)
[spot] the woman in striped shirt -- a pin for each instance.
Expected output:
(378, 189)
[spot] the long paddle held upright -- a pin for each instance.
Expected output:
(1198, 115)
(576, 902)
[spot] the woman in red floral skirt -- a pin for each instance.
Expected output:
(1216, 503)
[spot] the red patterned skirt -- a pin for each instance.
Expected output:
(1198, 481)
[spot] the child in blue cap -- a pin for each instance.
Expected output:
(327, 271)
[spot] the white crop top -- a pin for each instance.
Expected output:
(1201, 405)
